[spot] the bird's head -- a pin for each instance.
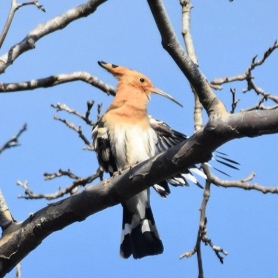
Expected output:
(135, 79)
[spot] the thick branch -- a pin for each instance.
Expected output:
(20, 239)
(55, 24)
(192, 72)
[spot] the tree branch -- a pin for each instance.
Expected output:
(55, 24)
(13, 142)
(186, 19)
(55, 80)
(247, 75)
(211, 103)
(20, 239)
(6, 218)
(70, 189)
(14, 7)
(243, 184)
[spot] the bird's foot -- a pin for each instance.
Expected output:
(126, 167)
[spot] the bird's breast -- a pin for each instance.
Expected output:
(131, 143)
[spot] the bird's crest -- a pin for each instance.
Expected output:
(133, 78)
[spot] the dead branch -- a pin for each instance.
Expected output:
(35, 3)
(186, 30)
(170, 43)
(76, 129)
(202, 232)
(243, 184)
(190, 49)
(14, 7)
(6, 218)
(55, 24)
(55, 80)
(234, 101)
(247, 75)
(260, 91)
(18, 270)
(116, 189)
(13, 142)
(70, 189)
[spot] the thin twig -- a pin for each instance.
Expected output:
(14, 7)
(202, 234)
(260, 91)
(243, 184)
(84, 117)
(234, 101)
(247, 75)
(13, 142)
(35, 3)
(71, 189)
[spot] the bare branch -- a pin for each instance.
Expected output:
(85, 117)
(186, 33)
(198, 118)
(217, 249)
(121, 187)
(18, 270)
(209, 100)
(13, 142)
(76, 129)
(70, 189)
(14, 7)
(6, 218)
(247, 75)
(234, 101)
(243, 184)
(55, 80)
(55, 24)
(60, 173)
(35, 3)
(186, 18)
(202, 233)
(260, 91)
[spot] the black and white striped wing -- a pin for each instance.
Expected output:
(101, 143)
(167, 138)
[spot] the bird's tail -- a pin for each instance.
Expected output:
(140, 237)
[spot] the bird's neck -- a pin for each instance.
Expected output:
(129, 102)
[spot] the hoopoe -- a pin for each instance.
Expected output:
(126, 135)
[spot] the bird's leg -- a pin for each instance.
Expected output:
(130, 165)
(116, 173)
(126, 167)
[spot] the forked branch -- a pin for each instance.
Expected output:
(14, 7)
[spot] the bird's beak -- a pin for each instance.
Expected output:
(159, 92)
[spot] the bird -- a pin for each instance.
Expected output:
(126, 135)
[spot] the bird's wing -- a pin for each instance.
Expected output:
(101, 143)
(167, 138)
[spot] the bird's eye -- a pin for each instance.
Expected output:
(142, 80)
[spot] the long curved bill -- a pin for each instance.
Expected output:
(159, 92)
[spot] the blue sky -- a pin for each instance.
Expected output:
(226, 36)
